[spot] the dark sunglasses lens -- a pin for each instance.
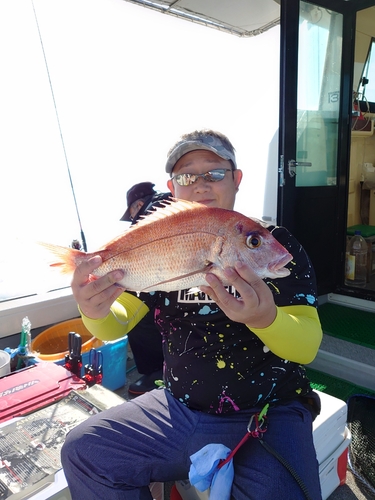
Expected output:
(188, 179)
(185, 179)
(215, 175)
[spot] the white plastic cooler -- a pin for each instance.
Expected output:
(331, 438)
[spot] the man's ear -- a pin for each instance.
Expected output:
(170, 186)
(237, 178)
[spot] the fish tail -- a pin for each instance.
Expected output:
(67, 258)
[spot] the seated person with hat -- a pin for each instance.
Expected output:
(144, 339)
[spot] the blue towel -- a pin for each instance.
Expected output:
(204, 472)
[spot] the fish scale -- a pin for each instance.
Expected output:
(175, 246)
(140, 266)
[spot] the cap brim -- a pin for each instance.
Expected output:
(126, 217)
(189, 146)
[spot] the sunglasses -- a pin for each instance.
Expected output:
(213, 176)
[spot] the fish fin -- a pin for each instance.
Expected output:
(66, 257)
(205, 269)
(172, 207)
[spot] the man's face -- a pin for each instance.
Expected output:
(135, 208)
(219, 194)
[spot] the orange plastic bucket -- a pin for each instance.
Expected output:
(52, 344)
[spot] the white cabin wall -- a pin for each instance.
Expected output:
(127, 82)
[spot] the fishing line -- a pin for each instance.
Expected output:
(61, 135)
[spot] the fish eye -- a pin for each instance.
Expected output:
(253, 241)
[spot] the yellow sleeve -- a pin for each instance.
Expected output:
(125, 313)
(295, 334)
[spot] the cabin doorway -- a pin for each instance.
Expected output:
(361, 185)
(316, 101)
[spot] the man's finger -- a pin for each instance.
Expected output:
(218, 292)
(107, 280)
(247, 273)
(83, 271)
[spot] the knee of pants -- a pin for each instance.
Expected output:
(69, 450)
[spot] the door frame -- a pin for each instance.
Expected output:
(328, 262)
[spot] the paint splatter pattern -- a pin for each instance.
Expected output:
(219, 366)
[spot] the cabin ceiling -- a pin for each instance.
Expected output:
(244, 18)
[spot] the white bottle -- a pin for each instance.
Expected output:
(356, 261)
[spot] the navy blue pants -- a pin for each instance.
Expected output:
(119, 452)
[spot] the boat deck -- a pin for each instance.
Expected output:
(334, 353)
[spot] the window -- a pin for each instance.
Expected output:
(366, 89)
(320, 34)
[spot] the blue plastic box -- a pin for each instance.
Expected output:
(114, 363)
(52, 344)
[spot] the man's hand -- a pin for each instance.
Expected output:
(95, 296)
(255, 308)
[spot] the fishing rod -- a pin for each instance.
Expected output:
(61, 134)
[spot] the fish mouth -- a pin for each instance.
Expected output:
(277, 268)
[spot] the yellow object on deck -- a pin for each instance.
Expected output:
(52, 343)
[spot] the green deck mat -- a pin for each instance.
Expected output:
(348, 324)
(333, 386)
(366, 231)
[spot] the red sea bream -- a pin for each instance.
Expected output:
(175, 246)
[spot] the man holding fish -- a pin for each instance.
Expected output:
(235, 302)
